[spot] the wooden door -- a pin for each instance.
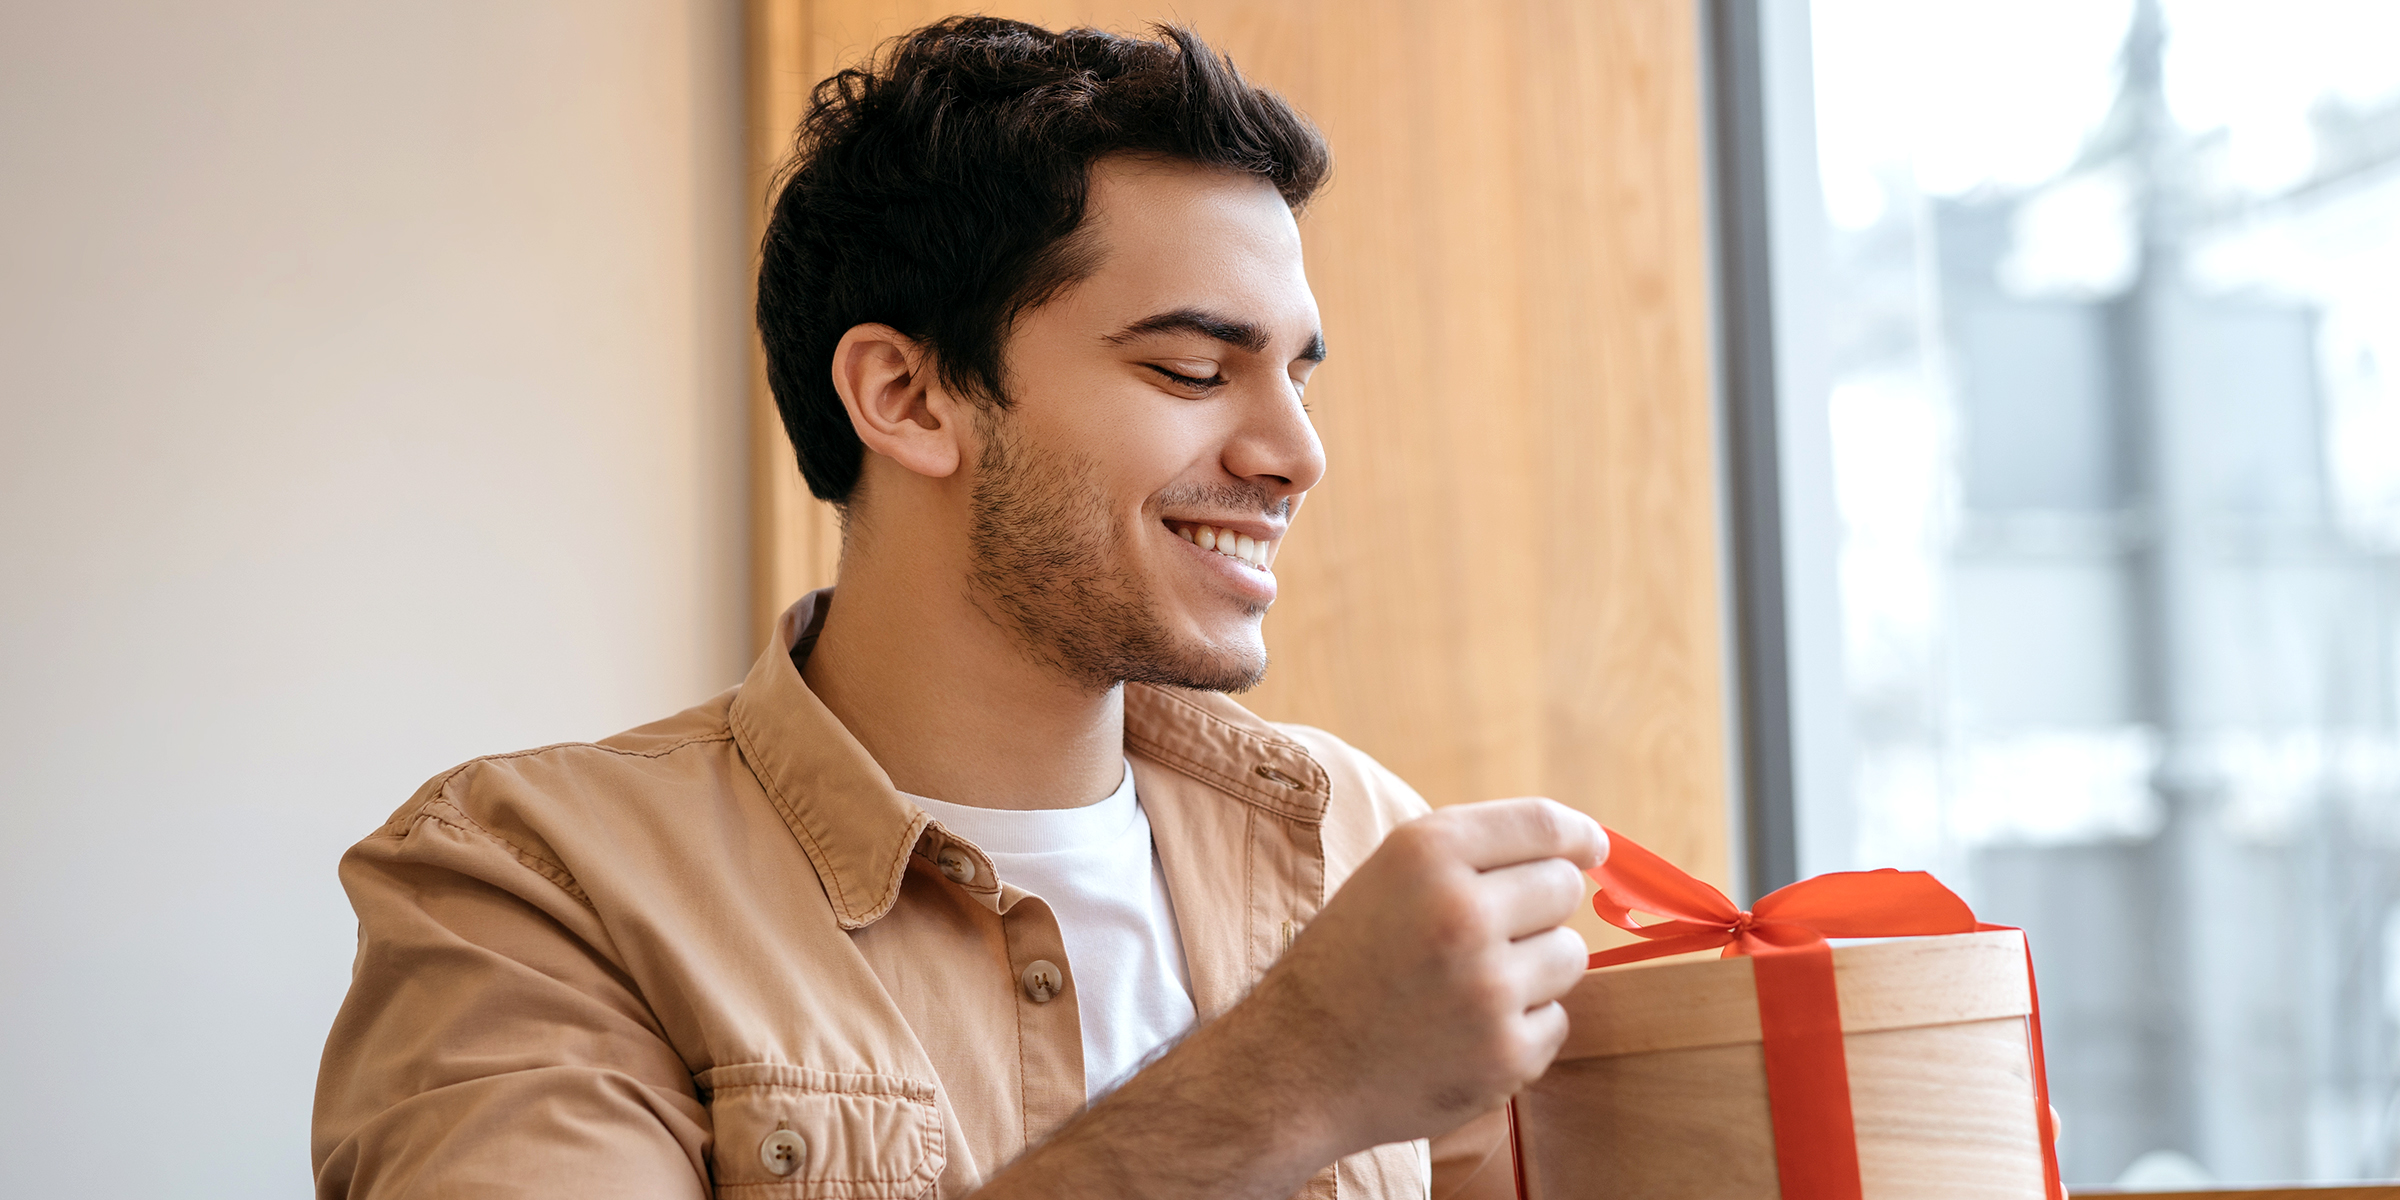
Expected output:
(1508, 582)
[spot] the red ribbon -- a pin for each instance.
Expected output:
(1799, 1012)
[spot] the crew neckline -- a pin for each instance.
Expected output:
(1040, 830)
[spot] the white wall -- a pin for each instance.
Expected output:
(370, 392)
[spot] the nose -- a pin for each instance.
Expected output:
(1276, 446)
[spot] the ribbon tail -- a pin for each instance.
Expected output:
(2044, 1124)
(1516, 1151)
(1682, 943)
(1808, 1074)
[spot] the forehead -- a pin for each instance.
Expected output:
(1173, 235)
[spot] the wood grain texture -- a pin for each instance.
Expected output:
(1507, 584)
(1944, 1112)
(795, 540)
(1897, 984)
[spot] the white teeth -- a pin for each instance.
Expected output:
(1239, 546)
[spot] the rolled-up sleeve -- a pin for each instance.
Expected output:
(491, 1043)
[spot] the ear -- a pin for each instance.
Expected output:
(896, 400)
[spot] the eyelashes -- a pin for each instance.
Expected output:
(1218, 380)
(1194, 382)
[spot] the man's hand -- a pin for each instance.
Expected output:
(1427, 991)
(1425, 994)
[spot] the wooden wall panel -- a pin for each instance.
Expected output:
(795, 541)
(1507, 583)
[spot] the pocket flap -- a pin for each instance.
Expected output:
(787, 1131)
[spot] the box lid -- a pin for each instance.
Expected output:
(1895, 984)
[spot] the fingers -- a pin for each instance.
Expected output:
(1530, 897)
(1545, 1032)
(1546, 966)
(1502, 833)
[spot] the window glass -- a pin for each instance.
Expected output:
(2088, 337)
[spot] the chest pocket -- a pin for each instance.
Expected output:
(784, 1131)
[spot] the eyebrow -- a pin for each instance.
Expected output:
(1239, 334)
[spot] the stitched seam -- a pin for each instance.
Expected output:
(819, 1081)
(1322, 782)
(1017, 1006)
(914, 1172)
(929, 1147)
(825, 1179)
(1240, 789)
(910, 847)
(531, 858)
(884, 1093)
(880, 1182)
(543, 867)
(896, 869)
(1250, 887)
(1276, 739)
(441, 782)
(398, 825)
(791, 816)
(907, 1091)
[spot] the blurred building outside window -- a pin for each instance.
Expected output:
(2088, 337)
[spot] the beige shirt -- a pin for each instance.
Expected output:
(721, 955)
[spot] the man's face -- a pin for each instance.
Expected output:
(1155, 409)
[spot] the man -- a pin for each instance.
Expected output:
(930, 902)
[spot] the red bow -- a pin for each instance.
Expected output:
(1799, 1013)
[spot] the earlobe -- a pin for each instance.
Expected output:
(896, 400)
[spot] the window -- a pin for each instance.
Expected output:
(2085, 488)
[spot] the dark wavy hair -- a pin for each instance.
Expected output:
(938, 188)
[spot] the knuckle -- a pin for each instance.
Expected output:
(1564, 948)
(1489, 998)
(1562, 876)
(1456, 922)
(1536, 1046)
(1422, 839)
(1550, 818)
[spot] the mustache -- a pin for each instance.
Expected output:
(1226, 497)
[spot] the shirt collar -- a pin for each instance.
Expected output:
(859, 831)
(855, 827)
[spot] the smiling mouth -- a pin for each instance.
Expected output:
(1240, 547)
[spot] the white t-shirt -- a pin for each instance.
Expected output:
(1096, 868)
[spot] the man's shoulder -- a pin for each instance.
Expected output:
(1216, 740)
(1368, 802)
(1357, 777)
(516, 797)
(1185, 725)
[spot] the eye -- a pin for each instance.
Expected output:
(1194, 382)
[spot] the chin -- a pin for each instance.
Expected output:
(1231, 665)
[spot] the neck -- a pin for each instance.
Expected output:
(950, 703)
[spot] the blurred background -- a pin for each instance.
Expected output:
(2011, 490)
(2087, 336)
(371, 384)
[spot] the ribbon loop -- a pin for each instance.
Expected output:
(1808, 1075)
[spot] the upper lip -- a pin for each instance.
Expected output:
(1256, 530)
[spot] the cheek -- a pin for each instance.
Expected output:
(1142, 461)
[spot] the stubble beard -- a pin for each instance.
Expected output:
(1051, 567)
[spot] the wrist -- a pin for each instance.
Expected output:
(1238, 1109)
(1270, 1061)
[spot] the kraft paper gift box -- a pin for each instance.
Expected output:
(1889, 1070)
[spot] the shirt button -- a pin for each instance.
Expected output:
(1043, 980)
(782, 1153)
(955, 865)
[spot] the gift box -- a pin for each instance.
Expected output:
(1907, 1069)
